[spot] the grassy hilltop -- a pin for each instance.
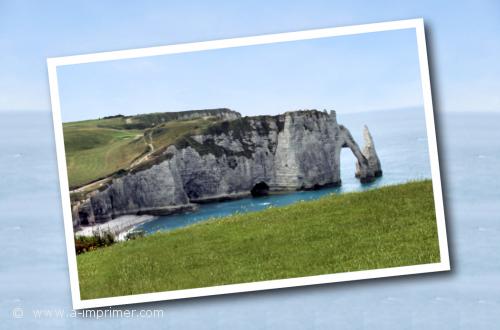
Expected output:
(98, 148)
(387, 227)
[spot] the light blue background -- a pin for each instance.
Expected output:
(354, 73)
(464, 49)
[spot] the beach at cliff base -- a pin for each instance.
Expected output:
(119, 226)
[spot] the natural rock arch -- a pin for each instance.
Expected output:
(368, 164)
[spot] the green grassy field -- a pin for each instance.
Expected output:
(98, 148)
(387, 227)
(166, 134)
(93, 153)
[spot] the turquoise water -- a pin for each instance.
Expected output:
(401, 142)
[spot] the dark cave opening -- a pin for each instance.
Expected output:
(84, 218)
(260, 189)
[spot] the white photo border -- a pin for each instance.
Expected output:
(417, 24)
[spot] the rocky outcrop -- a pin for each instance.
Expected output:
(371, 156)
(232, 159)
(222, 113)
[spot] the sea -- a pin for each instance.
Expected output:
(34, 277)
(400, 138)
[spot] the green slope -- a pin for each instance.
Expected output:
(101, 147)
(93, 152)
(387, 227)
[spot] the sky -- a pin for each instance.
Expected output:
(463, 38)
(349, 74)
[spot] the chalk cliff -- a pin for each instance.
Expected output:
(232, 159)
(370, 155)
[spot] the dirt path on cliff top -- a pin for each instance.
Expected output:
(96, 184)
(150, 146)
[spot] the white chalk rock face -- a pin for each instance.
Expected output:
(233, 159)
(370, 154)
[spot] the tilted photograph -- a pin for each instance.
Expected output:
(248, 164)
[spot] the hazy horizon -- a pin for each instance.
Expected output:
(415, 107)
